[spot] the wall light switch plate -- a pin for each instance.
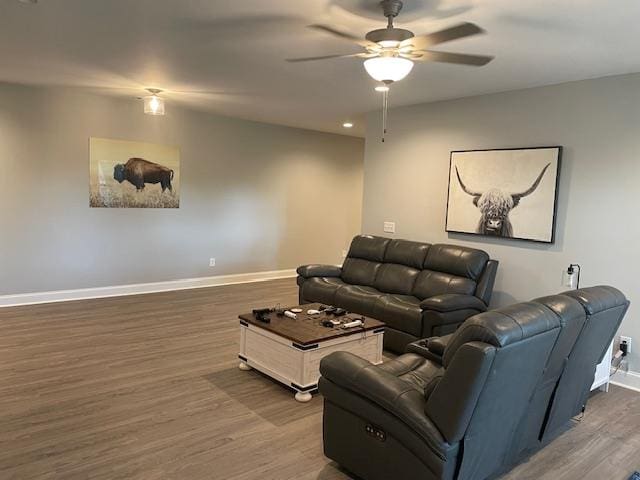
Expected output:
(389, 227)
(212, 262)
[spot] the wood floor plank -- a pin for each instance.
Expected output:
(147, 387)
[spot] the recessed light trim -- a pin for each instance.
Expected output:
(347, 125)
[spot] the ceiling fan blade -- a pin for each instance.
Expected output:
(447, 57)
(344, 35)
(327, 57)
(452, 33)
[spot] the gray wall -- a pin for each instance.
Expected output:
(597, 122)
(256, 197)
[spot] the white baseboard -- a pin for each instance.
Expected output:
(140, 288)
(630, 380)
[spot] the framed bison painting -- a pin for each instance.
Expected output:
(133, 174)
(508, 193)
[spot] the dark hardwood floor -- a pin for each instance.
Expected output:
(147, 387)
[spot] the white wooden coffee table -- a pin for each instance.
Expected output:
(289, 350)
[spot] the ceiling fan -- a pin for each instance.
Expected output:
(390, 52)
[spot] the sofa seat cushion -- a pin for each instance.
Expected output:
(401, 312)
(414, 369)
(357, 298)
(321, 289)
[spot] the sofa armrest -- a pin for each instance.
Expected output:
(394, 395)
(449, 302)
(308, 271)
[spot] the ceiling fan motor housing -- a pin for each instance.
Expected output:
(391, 8)
(389, 34)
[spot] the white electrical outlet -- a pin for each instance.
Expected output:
(212, 262)
(389, 227)
(628, 340)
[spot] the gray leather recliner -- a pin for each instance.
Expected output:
(472, 404)
(419, 290)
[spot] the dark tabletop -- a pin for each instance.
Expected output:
(308, 329)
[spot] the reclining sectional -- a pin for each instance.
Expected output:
(469, 405)
(419, 290)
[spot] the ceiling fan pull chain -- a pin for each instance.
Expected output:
(385, 107)
(384, 120)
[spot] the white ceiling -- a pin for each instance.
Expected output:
(230, 54)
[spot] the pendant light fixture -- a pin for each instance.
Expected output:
(154, 104)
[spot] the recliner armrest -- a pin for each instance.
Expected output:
(438, 344)
(394, 395)
(430, 348)
(420, 348)
(308, 271)
(449, 302)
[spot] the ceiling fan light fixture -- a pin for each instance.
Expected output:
(153, 104)
(389, 43)
(388, 69)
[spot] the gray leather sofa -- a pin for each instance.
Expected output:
(419, 290)
(472, 404)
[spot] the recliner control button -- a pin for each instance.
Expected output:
(375, 432)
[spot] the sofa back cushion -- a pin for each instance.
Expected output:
(604, 307)
(502, 327)
(413, 268)
(492, 364)
(368, 247)
(405, 252)
(429, 283)
(364, 259)
(456, 260)
(572, 318)
(358, 271)
(450, 269)
(394, 278)
(403, 261)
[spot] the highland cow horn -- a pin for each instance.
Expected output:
(464, 187)
(518, 196)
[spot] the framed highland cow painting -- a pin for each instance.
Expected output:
(125, 174)
(509, 193)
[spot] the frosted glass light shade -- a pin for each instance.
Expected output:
(153, 105)
(388, 69)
